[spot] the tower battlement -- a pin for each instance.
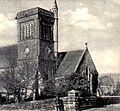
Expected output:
(34, 11)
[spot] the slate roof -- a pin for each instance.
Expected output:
(70, 62)
(61, 56)
(8, 56)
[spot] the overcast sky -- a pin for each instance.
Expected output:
(94, 21)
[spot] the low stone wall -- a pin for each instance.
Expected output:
(110, 99)
(71, 103)
(43, 105)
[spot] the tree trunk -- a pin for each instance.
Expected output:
(36, 87)
(7, 98)
(25, 93)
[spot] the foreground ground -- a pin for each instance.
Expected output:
(115, 107)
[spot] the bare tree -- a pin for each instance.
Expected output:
(49, 87)
(9, 81)
(28, 74)
(73, 81)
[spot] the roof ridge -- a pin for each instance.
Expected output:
(72, 50)
(12, 45)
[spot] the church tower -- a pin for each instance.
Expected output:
(36, 44)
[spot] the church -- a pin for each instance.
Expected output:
(37, 45)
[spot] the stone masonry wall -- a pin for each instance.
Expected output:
(42, 105)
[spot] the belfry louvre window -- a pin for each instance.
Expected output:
(32, 30)
(51, 32)
(22, 32)
(46, 31)
(27, 30)
(43, 27)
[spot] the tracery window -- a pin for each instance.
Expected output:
(43, 28)
(51, 32)
(23, 33)
(47, 31)
(32, 30)
(27, 30)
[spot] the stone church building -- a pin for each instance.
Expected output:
(37, 45)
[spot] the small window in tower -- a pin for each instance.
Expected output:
(32, 30)
(20, 32)
(29, 27)
(43, 31)
(25, 37)
(23, 32)
(51, 32)
(48, 32)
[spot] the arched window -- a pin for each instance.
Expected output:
(23, 32)
(48, 35)
(32, 30)
(26, 30)
(29, 30)
(51, 32)
(43, 30)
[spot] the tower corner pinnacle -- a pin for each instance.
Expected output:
(55, 6)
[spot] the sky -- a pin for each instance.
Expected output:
(96, 22)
